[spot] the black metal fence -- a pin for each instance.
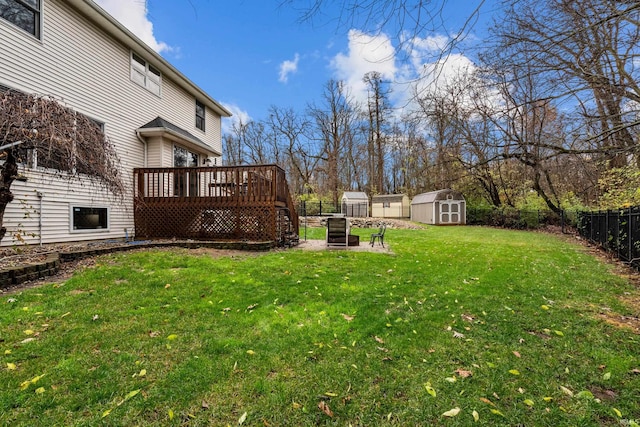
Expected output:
(616, 230)
(317, 208)
(320, 208)
(521, 219)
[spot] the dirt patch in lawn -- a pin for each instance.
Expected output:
(631, 321)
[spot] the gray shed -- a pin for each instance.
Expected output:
(355, 204)
(390, 206)
(442, 207)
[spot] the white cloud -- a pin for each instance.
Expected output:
(423, 69)
(238, 116)
(366, 53)
(133, 15)
(288, 67)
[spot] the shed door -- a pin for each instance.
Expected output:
(449, 212)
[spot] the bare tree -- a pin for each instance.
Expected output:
(40, 130)
(300, 156)
(334, 123)
(588, 53)
(378, 110)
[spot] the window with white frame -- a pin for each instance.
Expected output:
(89, 218)
(200, 115)
(144, 74)
(25, 14)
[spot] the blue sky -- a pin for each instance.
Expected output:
(252, 54)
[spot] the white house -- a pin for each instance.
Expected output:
(153, 115)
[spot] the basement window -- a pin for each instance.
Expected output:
(89, 218)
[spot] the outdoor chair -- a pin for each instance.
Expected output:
(379, 235)
(337, 231)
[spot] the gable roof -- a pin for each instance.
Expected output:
(391, 198)
(355, 196)
(164, 128)
(432, 196)
(111, 26)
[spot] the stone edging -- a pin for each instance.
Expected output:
(51, 265)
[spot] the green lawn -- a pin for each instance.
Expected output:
(459, 323)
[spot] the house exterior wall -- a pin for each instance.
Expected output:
(89, 70)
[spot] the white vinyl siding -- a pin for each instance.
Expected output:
(79, 63)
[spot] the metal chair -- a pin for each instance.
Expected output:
(379, 235)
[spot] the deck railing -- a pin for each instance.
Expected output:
(213, 202)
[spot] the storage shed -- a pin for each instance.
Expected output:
(390, 206)
(355, 204)
(442, 207)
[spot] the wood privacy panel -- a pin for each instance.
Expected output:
(213, 203)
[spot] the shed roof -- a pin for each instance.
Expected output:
(388, 198)
(355, 195)
(433, 196)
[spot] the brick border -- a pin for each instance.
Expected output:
(51, 265)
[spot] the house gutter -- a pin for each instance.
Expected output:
(145, 145)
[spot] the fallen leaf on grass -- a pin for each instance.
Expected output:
(347, 317)
(476, 416)
(566, 391)
(172, 337)
(452, 412)
(516, 354)
(618, 413)
(25, 384)
(430, 389)
(487, 401)
(559, 333)
(325, 408)
(106, 413)
(528, 402)
(496, 412)
(457, 335)
(606, 376)
(40, 390)
(242, 419)
(378, 339)
(463, 374)
(11, 366)
(514, 372)
(129, 396)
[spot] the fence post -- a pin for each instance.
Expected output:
(630, 237)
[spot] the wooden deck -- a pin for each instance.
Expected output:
(238, 203)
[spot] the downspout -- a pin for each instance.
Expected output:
(144, 143)
(40, 196)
